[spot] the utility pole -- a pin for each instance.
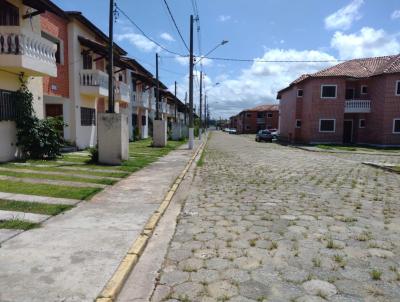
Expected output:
(111, 59)
(191, 130)
(157, 91)
(176, 104)
(205, 112)
(185, 108)
(201, 104)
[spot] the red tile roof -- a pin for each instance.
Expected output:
(266, 107)
(357, 68)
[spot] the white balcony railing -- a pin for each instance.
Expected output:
(93, 82)
(28, 51)
(122, 92)
(357, 106)
(260, 120)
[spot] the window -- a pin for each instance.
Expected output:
(247, 127)
(350, 94)
(9, 14)
(398, 88)
(298, 123)
(364, 89)
(87, 61)
(134, 120)
(396, 125)
(260, 114)
(56, 41)
(328, 91)
(88, 116)
(248, 114)
(327, 125)
(7, 105)
(269, 115)
(300, 93)
(361, 123)
(144, 120)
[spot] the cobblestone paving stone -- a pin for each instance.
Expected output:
(266, 222)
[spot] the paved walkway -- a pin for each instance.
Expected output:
(264, 222)
(73, 255)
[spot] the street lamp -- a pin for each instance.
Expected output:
(212, 50)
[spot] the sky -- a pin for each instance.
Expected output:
(256, 30)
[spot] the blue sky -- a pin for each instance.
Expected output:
(263, 29)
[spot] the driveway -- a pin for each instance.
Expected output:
(264, 222)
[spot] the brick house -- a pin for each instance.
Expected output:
(357, 101)
(257, 118)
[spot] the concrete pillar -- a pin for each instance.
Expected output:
(113, 138)
(176, 131)
(191, 138)
(159, 133)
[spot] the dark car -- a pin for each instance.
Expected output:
(264, 135)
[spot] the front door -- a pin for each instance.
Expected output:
(348, 132)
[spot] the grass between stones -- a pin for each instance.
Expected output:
(57, 177)
(47, 190)
(17, 224)
(33, 207)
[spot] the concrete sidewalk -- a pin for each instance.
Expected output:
(73, 255)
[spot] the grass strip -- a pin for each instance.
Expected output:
(57, 177)
(33, 207)
(17, 224)
(47, 190)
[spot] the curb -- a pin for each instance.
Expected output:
(113, 287)
(382, 167)
(344, 152)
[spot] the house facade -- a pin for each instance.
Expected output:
(357, 101)
(258, 118)
(24, 56)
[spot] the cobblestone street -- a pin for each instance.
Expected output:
(264, 222)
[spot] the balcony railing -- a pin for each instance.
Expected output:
(122, 92)
(357, 106)
(27, 51)
(93, 82)
(260, 120)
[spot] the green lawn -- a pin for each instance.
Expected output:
(359, 148)
(18, 224)
(33, 207)
(141, 155)
(57, 177)
(47, 190)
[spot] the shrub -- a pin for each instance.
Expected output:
(38, 139)
(94, 154)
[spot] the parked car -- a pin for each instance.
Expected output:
(226, 130)
(232, 131)
(264, 135)
(275, 134)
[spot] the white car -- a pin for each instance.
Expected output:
(232, 131)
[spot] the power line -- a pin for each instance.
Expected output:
(145, 35)
(273, 61)
(176, 26)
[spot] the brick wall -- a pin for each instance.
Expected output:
(57, 27)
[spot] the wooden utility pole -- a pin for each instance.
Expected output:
(201, 104)
(176, 104)
(157, 91)
(191, 63)
(111, 59)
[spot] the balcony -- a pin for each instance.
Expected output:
(357, 106)
(27, 52)
(93, 83)
(260, 120)
(122, 92)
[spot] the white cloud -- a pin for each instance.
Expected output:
(224, 18)
(368, 42)
(138, 41)
(167, 37)
(260, 83)
(344, 17)
(395, 14)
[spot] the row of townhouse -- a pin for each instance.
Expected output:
(255, 119)
(63, 57)
(357, 101)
